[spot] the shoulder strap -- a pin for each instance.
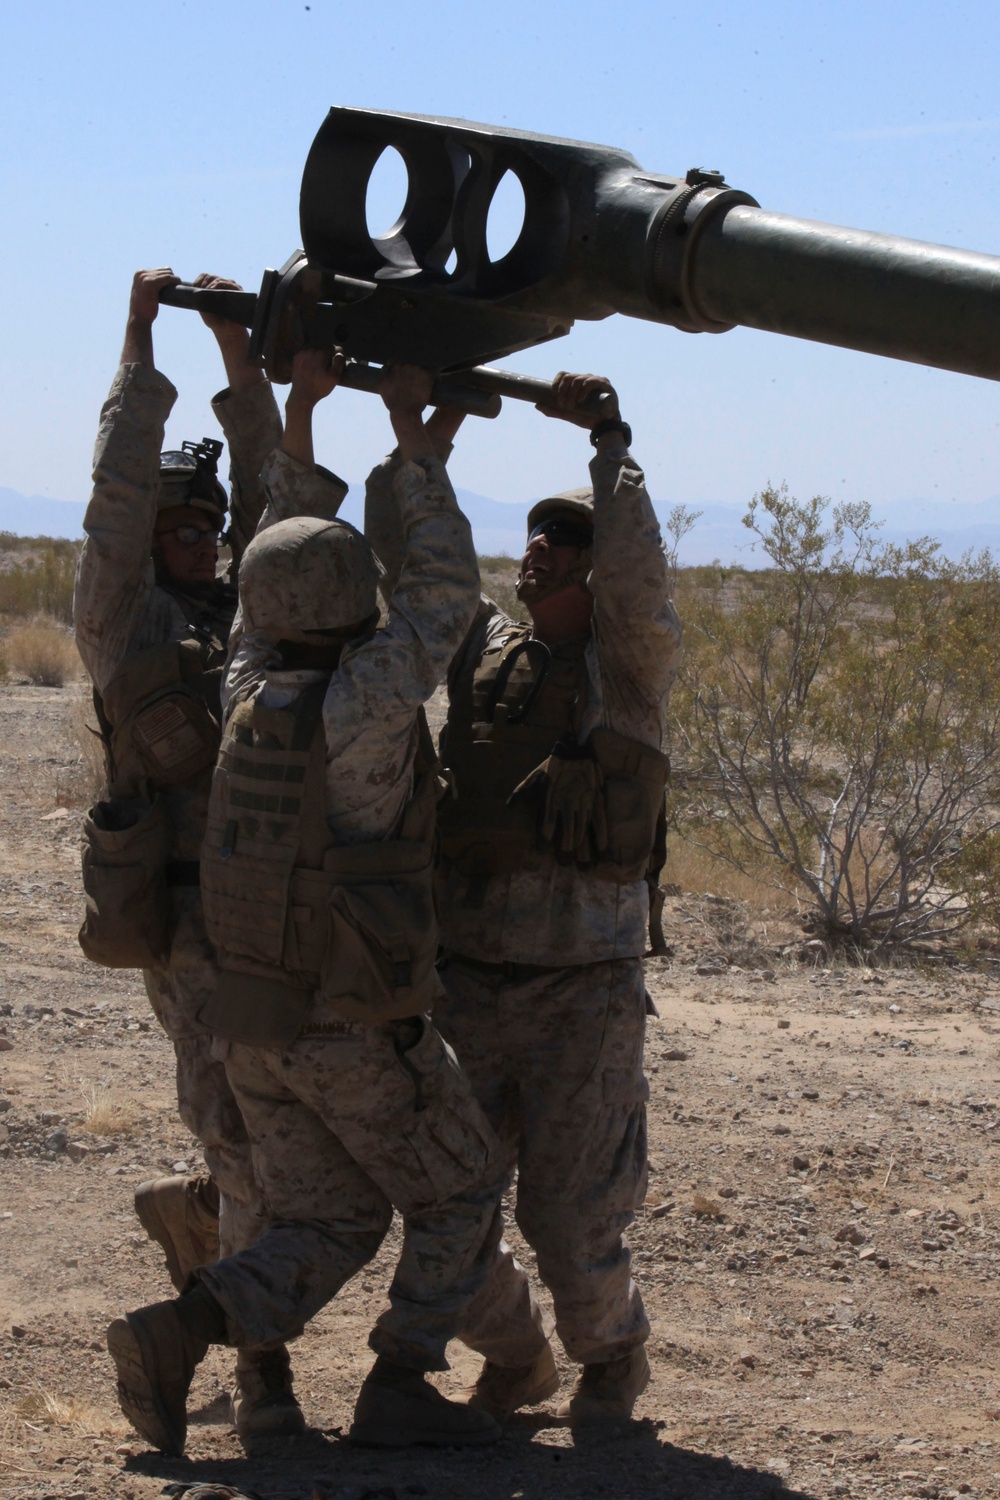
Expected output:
(293, 727)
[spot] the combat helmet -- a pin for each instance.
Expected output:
(306, 575)
(572, 502)
(188, 477)
(578, 504)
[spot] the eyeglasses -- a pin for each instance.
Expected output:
(561, 533)
(191, 536)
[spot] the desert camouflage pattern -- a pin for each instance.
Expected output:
(560, 914)
(353, 1119)
(177, 990)
(119, 611)
(369, 713)
(346, 1126)
(554, 1049)
(556, 1062)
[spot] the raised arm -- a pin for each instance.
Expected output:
(637, 630)
(115, 574)
(293, 485)
(383, 522)
(430, 609)
(248, 415)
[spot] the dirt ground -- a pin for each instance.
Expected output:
(819, 1249)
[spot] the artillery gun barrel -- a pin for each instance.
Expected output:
(878, 293)
(600, 235)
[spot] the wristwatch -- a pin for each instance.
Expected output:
(612, 424)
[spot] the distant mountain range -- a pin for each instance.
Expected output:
(498, 526)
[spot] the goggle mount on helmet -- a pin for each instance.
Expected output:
(206, 455)
(188, 476)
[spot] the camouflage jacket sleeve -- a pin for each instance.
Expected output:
(383, 520)
(636, 629)
(373, 697)
(114, 578)
(289, 488)
(251, 425)
(385, 535)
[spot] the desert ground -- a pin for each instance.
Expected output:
(819, 1247)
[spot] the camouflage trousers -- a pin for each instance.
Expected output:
(177, 990)
(555, 1059)
(346, 1125)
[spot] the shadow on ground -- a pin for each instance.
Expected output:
(638, 1464)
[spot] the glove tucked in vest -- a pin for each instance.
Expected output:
(293, 915)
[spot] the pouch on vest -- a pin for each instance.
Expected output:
(255, 1009)
(158, 703)
(382, 948)
(126, 843)
(300, 924)
(635, 776)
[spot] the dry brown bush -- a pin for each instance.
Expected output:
(82, 783)
(42, 652)
(108, 1112)
(697, 871)
(499, 575)
(37, 1406)
(36, 575)
(837, 717)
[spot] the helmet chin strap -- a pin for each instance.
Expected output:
(532, 591)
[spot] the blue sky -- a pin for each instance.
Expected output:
(176, 133)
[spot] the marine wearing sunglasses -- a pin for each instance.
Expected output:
(562, 607)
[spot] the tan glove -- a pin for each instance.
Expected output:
(572, 819)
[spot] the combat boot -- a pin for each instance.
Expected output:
(264, 1405)
(182, 1215)
(155, 1356)
(501, 1391)
(606, 1393)
(397, 1407)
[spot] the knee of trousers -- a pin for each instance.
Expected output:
(569, 1232)
(205, 1101)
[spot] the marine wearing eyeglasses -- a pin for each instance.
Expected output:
(554, 738)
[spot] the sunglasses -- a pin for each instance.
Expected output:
(560, 533)
(192, 536)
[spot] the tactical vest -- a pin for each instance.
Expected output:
(521, 700)
(294, 916)
(160, 714)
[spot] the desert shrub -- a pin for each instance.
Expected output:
(42, 652)
(839, 721)
(81, 781)
(109, 1112)
(36, 576)
(499, 575)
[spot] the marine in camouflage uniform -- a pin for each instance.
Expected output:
(317, 872)
(544, 907)
(139, 588)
